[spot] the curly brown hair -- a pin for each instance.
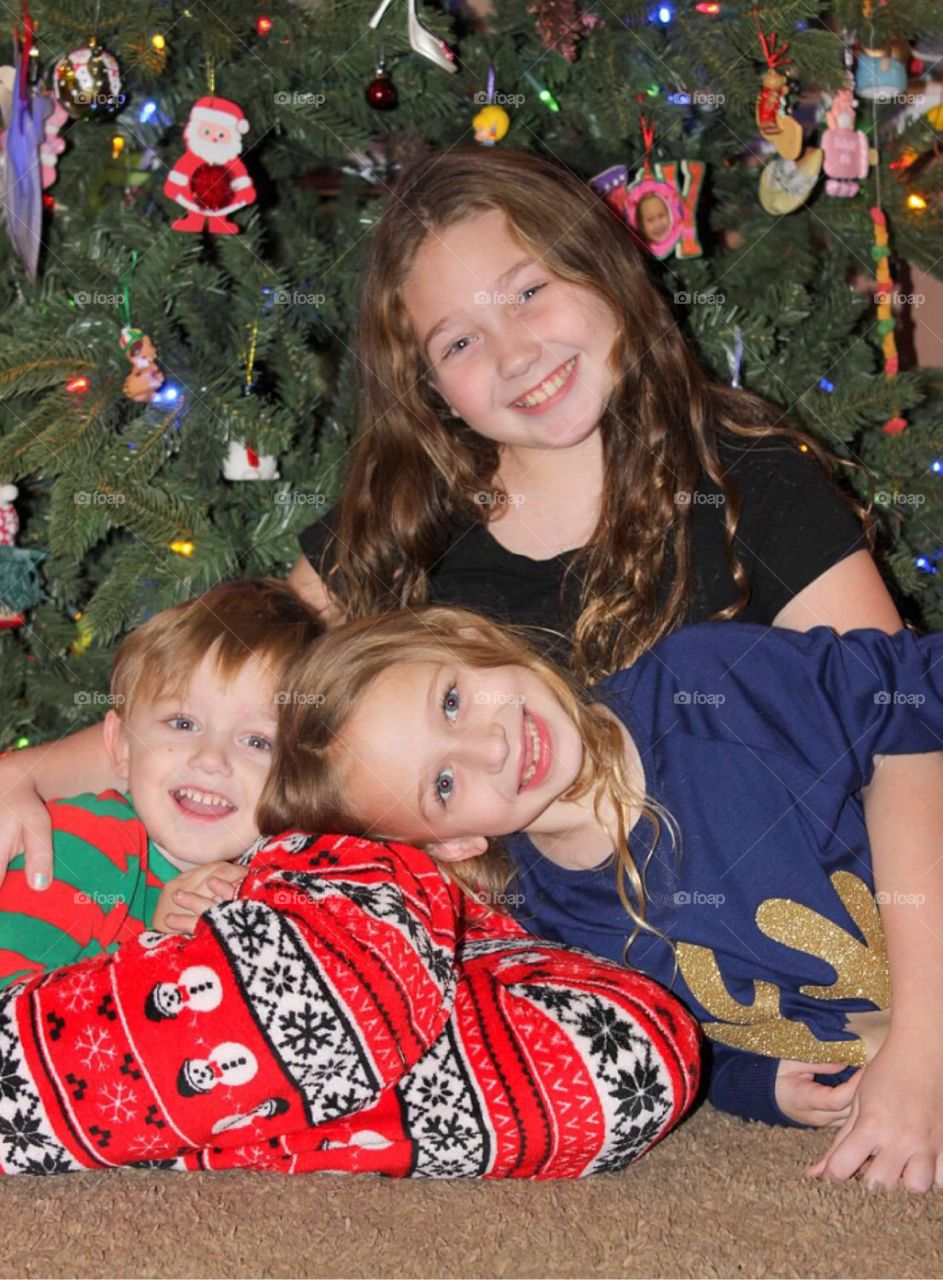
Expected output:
(661, 430)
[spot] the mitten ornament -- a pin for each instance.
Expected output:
(209, 180)
(845, 148)
(243, 463)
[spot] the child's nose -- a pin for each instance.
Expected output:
(210, 756)
(520, 352)
(487, 747)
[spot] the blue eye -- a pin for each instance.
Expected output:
(452, 347)
(534, 288)
(178, 721)
(445, 777)
(451, 702)
(257, 740)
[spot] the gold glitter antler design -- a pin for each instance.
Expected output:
(760, 1027)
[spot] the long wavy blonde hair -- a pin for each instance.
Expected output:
(414, 466)
(306, 784)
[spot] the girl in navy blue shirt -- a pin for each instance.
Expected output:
(736, 770)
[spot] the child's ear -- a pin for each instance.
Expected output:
(117, 744)
(458, 850)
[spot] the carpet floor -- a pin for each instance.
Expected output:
(716, 1198)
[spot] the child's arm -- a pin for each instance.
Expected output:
(184, 898)
(895, 1130)
(28, 778)
(772, 1091)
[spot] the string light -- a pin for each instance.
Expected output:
(825, 385)
(916, 202)
(182, 547)
(543, 93)
(159, 43)
(117, 146)
(77, 385)
(148, 109)
(169, 394)
(263, 25)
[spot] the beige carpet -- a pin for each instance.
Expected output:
(717, 1198)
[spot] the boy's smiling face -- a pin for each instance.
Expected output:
(195, 764)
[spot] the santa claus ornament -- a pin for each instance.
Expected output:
(210, 181)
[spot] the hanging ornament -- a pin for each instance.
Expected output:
(880, 74)
(52, 146)
(787, 184)
(880, 252)
(492, 122)
(381, 91)
(561, 25)
(660, 211)
(846, 149)
(142, 383)
(782, 130)
(19, 580)
(209, 180)
(28, 110)
(144, 380)
(88, 83)
(241, 461)
(421, 40)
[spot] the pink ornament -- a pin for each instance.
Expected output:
(845, 148)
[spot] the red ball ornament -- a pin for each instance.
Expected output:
(381, 91)
(212, 186)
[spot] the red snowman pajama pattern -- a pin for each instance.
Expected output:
(350, 1011)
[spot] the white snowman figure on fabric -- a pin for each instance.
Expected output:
(209, 180)
(198, 988)
(243, 463)
(227, 1063)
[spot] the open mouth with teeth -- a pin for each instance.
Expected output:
(197, 803)
(550, 387)
(535, 751)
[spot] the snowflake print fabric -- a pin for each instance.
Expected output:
(349, 1011)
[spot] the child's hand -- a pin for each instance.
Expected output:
(25, 828)
(804, 1100)
(895, 1130)
(184, 898)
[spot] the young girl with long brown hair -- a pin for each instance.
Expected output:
(716, 816)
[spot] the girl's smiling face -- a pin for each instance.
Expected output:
(520, 355)
(437, 752)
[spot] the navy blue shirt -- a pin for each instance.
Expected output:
(758, 741)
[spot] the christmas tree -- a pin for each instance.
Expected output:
(144, 370)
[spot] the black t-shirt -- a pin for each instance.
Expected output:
(793, 527)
